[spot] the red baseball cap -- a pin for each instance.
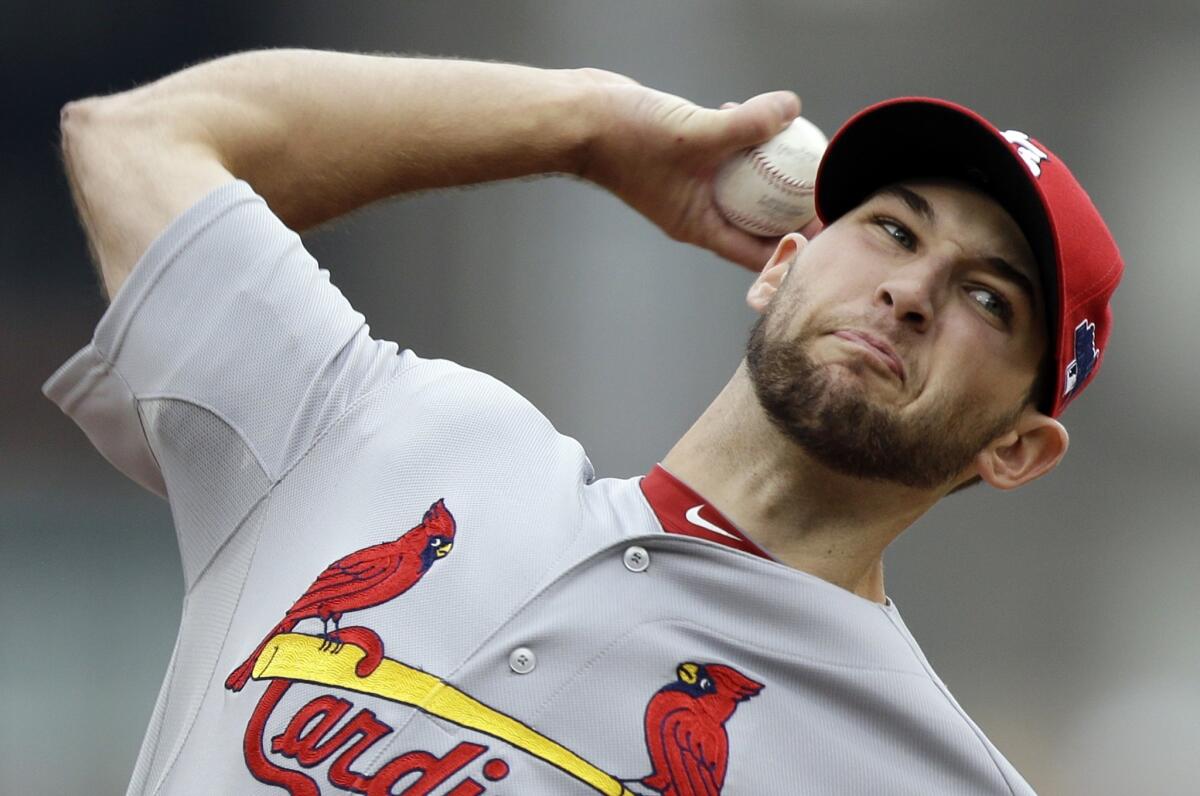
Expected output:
(918, 137)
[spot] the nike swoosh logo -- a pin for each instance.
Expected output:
(693, 516)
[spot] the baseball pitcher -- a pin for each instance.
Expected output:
(401, 578)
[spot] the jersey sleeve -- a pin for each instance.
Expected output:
(224, 356)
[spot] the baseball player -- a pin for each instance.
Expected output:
(400, 578)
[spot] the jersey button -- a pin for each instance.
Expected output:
(636, 558)
(522, 660)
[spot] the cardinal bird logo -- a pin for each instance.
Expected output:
(362, 579)
(685, 728)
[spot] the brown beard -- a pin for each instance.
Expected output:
(836, 423)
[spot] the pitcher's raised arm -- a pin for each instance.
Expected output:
(318, 134)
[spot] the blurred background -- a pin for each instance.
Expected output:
(1064, 616)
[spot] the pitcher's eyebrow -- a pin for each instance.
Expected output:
(917, 203)
(1016, 276)
(921, 206)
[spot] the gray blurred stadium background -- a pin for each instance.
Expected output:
(1064, 617)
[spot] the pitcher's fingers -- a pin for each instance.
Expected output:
(753, 121)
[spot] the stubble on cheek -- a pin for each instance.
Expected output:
(834, 418)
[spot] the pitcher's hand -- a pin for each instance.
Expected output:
(659, 153)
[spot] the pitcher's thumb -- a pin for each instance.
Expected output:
(758, 118)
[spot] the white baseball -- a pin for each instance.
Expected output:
(768, 189)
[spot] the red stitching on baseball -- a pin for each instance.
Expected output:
(755, 224)
(768, 171)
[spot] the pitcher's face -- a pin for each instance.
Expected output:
(905, 336)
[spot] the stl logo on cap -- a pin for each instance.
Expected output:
(1029, 151)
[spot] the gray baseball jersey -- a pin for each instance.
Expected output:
(400, 578)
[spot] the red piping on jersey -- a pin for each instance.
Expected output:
(673, 501)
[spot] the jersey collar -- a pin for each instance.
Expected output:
(683, 511)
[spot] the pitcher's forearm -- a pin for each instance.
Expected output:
(321, 133)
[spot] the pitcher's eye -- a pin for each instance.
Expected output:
(897, 232)
(992, 302)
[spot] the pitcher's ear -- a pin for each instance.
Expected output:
(1034, 447)
(771, 276)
